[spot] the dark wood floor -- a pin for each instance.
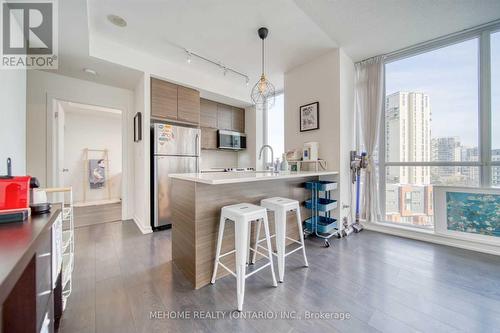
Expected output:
(96, 214)
(385, 283)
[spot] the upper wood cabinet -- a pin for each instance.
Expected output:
(163, 99)
(238, 120)
(172, 102)
(224, 117)
(208, 138)
(208, 113)
(188, 105)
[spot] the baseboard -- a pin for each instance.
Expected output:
(433, 238)
(140, 225)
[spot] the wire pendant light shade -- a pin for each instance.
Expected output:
(263, 91)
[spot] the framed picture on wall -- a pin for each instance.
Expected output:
(138, 127)
(309, 117)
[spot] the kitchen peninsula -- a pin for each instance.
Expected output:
(196, 202)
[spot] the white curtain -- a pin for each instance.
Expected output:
(369, 95)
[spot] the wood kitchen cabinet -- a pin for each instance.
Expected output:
(163, 99)
(208, 138)
(172, 102)
(208, 113)
(224, 117)
(238, 120)
(188, 105)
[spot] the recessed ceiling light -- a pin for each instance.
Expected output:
(90, 71)
(117, 20)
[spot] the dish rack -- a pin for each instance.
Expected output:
(321, 224)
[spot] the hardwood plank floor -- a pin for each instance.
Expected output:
(385, 283)
(96, 214)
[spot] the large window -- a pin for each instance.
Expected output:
(434, 130)
(495, 108)
(275, 126)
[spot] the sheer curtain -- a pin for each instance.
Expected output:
(369, 99)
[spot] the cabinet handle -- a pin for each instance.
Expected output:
(46, 254)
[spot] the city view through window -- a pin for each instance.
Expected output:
(432, 115)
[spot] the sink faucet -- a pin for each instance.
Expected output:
(272, 157)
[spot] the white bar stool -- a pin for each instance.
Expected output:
(242, 215)
(280, 206)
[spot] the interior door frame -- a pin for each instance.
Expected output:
(53, 175)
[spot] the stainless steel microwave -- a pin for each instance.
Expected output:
(231, 140)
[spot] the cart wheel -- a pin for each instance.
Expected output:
(327, 243)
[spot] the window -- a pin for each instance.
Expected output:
(275, 126)
(432, 132)
(495, 108)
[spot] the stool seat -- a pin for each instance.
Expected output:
(276, 203)
(242, 215)
(246, 211)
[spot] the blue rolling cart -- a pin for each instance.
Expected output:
(321, 224)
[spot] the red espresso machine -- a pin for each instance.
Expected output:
(14, 196)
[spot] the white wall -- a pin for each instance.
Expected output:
(93, 130)
(329, 80)
(141, 153)
(315, 81)
(13, 120)
(43, 88)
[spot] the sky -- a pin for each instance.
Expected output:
(450, 77)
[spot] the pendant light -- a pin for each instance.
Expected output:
(263, 90)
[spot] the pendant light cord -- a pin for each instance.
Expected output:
(262, 56)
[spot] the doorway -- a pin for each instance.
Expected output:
(89, 158)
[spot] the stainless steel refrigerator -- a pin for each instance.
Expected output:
(176, 149)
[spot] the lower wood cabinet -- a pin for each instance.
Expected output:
(208, 138)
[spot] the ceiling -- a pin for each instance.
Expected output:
(222, 30)
(226, 31)
(366, 28)
(74, 50)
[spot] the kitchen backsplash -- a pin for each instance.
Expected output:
(218, 159)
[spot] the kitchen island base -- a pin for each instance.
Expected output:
(196, 211)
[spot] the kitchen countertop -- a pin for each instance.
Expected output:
(216, 178)
(18, 243)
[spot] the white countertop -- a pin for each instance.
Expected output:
(215, 178)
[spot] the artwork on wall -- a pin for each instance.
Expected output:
(138, 127)
(477, 213)
(97, 174)
(309, 117)
(468, 213)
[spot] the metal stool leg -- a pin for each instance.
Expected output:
(257, 235)
(280, 225)
(219, 246)
(241, 242)
(301, 235)
(269, 249)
